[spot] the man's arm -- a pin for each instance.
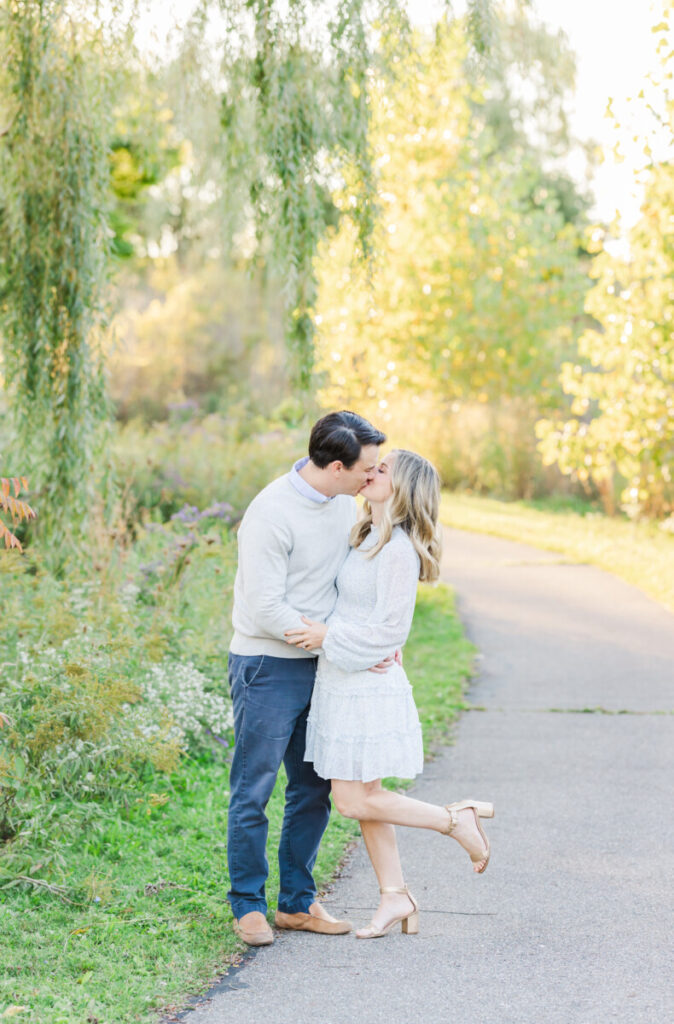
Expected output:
(264, 552)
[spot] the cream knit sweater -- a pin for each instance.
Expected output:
(290, 551)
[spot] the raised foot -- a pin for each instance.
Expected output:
(464, 826)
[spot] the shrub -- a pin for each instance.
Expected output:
(107, 681)
(201, 462)
(84, 719)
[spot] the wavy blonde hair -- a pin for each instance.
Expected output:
(414, 505)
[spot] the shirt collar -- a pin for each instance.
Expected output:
(301, 485)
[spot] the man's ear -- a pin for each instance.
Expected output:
(337, 466)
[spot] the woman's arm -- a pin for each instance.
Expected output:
(311, 635)
(354, 646)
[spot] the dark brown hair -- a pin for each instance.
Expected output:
(339, 436)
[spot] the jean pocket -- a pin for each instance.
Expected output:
(253, 669)
(244, 669)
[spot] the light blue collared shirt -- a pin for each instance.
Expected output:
(300, 484)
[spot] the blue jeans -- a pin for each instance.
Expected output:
(271, 698)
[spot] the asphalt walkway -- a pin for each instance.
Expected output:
(572, 737)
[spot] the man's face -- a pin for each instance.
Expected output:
(352, 481)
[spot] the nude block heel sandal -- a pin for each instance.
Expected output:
(409, 922)
(480, 809)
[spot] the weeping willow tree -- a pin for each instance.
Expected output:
(295, 117)
(296, 121)
(54, 176)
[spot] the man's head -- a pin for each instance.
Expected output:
(345, 446)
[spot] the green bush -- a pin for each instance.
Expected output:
(107, 681)
(201, 462)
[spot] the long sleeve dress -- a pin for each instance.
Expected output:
(364, 725)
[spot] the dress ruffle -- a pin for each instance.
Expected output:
(363, 726)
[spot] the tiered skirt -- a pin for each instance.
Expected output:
(363, 725)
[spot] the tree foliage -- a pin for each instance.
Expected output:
(54, 176)
(477, 274)
(167, 153)
(296, 115)
(621, 432)
(526, 87)
(143, 150)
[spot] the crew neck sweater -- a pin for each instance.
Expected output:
(290, 551)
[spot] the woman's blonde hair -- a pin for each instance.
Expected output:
(414, 505)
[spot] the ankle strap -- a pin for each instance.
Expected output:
(394, 888)
(453, 820)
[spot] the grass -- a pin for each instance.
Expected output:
(640, 553)
(438, 660)
(148, 922)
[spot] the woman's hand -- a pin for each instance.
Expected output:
(310, 636)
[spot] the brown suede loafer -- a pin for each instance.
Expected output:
(324, 925)
(254, 929)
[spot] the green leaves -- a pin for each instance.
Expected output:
(477, 271)
(297, 117)
(53, 181)
(621, 436)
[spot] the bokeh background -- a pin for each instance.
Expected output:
(449, 219)
(218, 220)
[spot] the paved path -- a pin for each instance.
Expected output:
(572, 923)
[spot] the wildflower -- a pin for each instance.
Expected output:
(187, 514)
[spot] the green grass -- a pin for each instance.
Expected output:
(122, 953)
(640, 553)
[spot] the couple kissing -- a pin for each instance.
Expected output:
(323, 603)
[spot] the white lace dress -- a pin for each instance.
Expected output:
(364, 725)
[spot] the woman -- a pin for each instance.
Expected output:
(364, 726)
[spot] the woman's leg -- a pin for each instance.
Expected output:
(382, 848)
(368, 802)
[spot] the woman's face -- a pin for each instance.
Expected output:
(381, 487)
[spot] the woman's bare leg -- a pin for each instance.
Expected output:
(382, 848)
(367, 801)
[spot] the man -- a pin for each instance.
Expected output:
(292, 540)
